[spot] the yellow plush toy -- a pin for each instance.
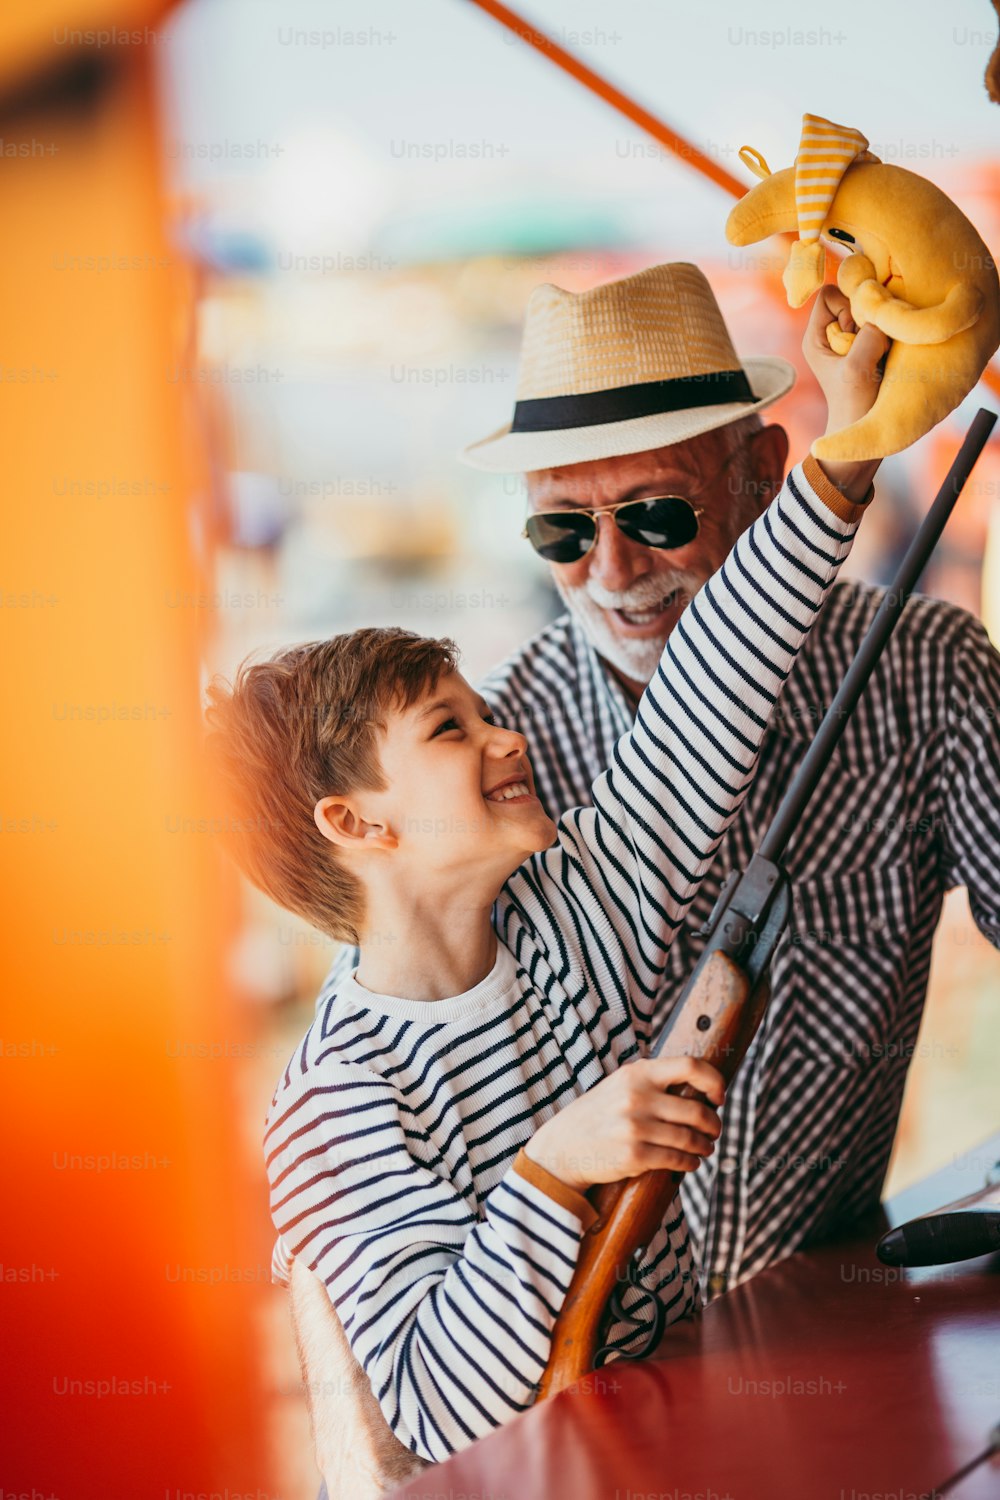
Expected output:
(918, 270)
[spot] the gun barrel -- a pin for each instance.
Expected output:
(957, 1231)
(835, 719)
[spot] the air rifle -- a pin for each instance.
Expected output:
(724, 999)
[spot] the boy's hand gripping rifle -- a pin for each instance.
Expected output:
(723, 1002)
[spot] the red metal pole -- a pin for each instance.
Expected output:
(613, 96)
(637, 114)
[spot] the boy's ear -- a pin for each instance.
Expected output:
(340, 822)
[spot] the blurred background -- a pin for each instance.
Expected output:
(264, 275)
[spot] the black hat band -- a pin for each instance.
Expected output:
(594, 408)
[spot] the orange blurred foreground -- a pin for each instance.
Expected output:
(129, 1283)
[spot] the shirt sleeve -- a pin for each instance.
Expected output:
(610, 893)
(449, 1310)
(970, 834)
(343, 963)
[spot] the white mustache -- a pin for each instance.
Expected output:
(646, 593)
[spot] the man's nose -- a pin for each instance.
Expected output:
(615, 562)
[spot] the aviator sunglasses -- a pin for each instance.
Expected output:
(661, 521)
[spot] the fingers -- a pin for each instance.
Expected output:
(827, 337)
(871, 343)
(667, 1072)
(662, 1150)
(868, 348)
(836, 303)
(680, 1114)
(694, 1140)
(678, 1134)
(862, 370)
(847, 358)
(667, 1159)
(829, 306)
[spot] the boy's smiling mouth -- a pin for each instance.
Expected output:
(514, 789)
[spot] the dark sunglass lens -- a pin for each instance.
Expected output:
(561, 539)
(666, 521)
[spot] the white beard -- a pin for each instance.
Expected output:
(634, 657)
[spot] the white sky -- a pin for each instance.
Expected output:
(341, 121)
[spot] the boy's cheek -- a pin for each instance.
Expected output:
(438, 828)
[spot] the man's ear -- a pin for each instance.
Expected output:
(339, 820)
(768, 456)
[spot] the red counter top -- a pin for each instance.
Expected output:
(827, 1377)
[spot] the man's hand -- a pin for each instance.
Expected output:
(356, 1452)
(627, 1124)
(850, 382)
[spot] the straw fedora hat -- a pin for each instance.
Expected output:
(634, 364)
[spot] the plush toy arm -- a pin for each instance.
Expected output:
(873, 303)
(839, 341)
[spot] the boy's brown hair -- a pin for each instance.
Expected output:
(302, 726)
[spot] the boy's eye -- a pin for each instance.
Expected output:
(453, 723)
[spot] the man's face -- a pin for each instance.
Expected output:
(627, 596)
(460, 798)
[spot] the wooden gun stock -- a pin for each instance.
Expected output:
(630, 1212)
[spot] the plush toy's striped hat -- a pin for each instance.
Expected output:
(825, 153)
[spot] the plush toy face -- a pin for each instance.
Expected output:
(862, 240)
(918, 270)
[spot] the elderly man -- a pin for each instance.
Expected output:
(639, 432)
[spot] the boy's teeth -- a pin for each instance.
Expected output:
(516, 789)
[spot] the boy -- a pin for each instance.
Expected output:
(429, 1144)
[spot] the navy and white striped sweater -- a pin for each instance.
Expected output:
(392, 1134)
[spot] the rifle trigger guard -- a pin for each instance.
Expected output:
(616, 1312)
